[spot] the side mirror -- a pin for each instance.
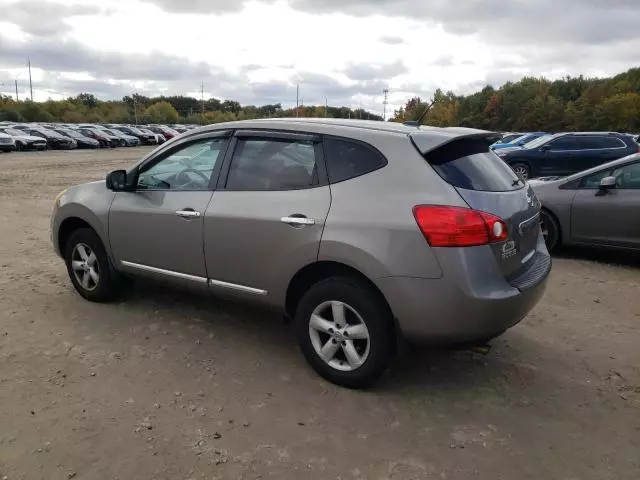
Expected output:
(119, 181)
(607, 183)
(545, 148)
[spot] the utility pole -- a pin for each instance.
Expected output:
(202, 96)
(297, 98)
(384, 104)
(135, 108)
(30, 84)
(326, 107)
(16, 82)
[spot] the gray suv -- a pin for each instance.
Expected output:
(362, 232)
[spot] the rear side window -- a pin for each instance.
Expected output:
(272, 164)
(598, 142)
(469, 164)
(347, 159)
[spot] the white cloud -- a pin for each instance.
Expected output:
(346, 50)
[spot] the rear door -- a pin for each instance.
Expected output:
(266, 217)
(488, 184)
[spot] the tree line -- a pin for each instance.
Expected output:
(139, 109)
(538, 104)
(569, 104)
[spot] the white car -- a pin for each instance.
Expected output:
(24, 141)
(7, 144)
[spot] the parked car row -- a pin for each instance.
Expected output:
(66, 136)
(538, 154)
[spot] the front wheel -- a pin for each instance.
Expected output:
(522, 170)
(88, 266)
(550, 230)
(345, 332)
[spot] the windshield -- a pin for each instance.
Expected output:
(71, 133)
(135, 130)
(13, 131)
(115, 133)
(47, 133)
(538, 141)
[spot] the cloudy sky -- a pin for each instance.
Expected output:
(346, 51)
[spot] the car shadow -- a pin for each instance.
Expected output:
(417, 368)
(625, 258)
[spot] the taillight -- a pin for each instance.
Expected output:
(445, 226)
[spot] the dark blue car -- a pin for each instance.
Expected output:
(567, 153)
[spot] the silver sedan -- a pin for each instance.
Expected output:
(598, 207)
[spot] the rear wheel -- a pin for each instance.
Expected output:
(88, 266)
(345, 332)
(522, 170)
(550, 230)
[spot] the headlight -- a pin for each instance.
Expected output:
(59, 196)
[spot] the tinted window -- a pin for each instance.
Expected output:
(346, 159)
(564, 143)
(272, 164)
(597, 142)
(628, 177)
(593, 181)
(469, 164)
(188, 168)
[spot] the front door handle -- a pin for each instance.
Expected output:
(298, 220)
(188, 213)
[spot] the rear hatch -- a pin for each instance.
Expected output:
(487, 184)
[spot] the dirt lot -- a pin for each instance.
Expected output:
(167, 385)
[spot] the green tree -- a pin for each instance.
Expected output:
(162, 112)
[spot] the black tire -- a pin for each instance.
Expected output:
(108, 282)
(522, 170)
(123, 142)
(373, 312)
(550, 230)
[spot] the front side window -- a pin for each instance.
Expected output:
(272, 164)
(593, 181)
(564, 143)
(628, 177)
(189, 167)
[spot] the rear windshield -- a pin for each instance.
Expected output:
(469, 164)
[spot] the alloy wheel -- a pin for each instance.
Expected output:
(339, 335)
(522, 172)
(85, 267)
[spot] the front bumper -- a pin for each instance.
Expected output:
(472, 301)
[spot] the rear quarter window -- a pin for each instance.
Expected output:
(349, 159)
(470, 164)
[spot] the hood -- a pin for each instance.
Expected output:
(507, 150)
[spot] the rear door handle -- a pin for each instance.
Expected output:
(298, 220)
(188, 213)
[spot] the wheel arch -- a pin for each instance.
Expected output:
(547, 211)
(318, 271)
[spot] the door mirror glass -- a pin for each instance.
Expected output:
(118, 181)
(607, 183)
(545, 148)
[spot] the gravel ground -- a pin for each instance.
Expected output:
(168, 385)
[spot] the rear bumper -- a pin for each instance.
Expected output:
(471, 301)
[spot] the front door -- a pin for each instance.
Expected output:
(157, 230)
(560, 158)
(611, 217)
(266, 218)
